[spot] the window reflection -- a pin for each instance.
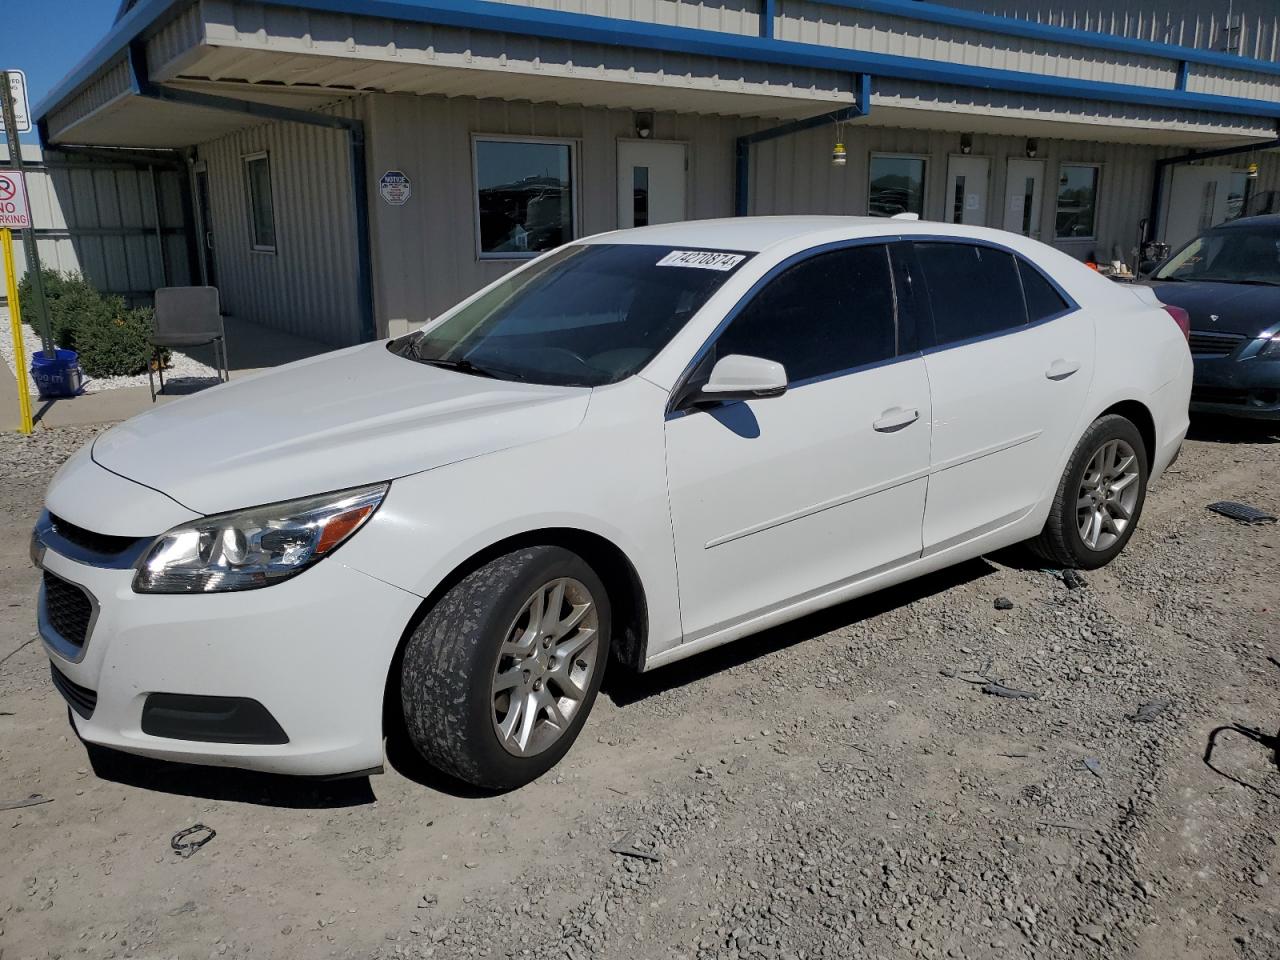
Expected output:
(897, 186)
(1077, 201)
(525, 195)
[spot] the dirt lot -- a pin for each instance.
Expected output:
(840, 787)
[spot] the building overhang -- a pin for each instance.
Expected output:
(306, 53)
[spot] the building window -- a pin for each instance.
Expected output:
(524, 195)
(896, 185)
(262, 215)
(1077, 202)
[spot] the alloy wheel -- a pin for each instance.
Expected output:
(545, 666)
(1108, 495)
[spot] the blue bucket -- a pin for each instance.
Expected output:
(56, 376)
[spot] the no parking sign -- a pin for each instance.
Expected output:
(14, 212)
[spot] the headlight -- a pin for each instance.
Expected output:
(255, 547)
(1271, 349)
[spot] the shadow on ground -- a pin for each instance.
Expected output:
(626, 687)
(222, 783)
(1210, 429)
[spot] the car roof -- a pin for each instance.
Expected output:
(1265, 220)
(756, 234)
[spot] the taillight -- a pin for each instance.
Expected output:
(1181, 318)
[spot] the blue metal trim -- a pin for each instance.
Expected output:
(864, 93)
(506, 18)
(1184, 72)
(1016, 27)
(768, 10)
(144, 17)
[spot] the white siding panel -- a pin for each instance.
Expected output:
(424, 252)
(308, 286)
(97, 218)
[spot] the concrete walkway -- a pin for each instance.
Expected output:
(250, 347)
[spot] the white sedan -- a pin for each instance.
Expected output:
(632, 449)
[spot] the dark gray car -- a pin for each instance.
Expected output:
(1228, 281)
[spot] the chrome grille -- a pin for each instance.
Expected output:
(102, 543)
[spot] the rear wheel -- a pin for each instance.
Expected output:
(1099, 497)
(501, 673)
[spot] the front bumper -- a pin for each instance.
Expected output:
(313, 651)
(1229, 386)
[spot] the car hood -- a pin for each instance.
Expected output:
(1245, 309)
(342, 419)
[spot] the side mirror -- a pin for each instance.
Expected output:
(739, 377)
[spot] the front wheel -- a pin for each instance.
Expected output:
(1099, 497)
(500, 675)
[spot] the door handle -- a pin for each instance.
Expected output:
(1061, 369)
(896, 418)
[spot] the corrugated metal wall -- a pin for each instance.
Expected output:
(308, 286)
(424, 252)
(99, 218)
(1250, 28)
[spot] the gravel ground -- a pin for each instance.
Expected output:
(182, 369)
(839, 787)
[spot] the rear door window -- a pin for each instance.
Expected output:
(1043, 298)
(829, 313)
(974, 290)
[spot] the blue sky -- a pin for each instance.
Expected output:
(46, 38)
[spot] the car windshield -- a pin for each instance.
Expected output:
(585, 315)
(1232, 255)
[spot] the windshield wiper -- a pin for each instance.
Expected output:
(462, 366)
(475, 369)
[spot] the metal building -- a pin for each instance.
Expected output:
(356, 166)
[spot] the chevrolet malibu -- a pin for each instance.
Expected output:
(632, 449)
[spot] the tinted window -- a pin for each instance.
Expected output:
(1077, 201)
(895, 185)
(1234, 255)
(262, 218)
(525, 195)
(823, 315)
(973, 290)
(1042, 299)
(581, 316)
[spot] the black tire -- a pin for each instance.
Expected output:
(451, 658)
(1060, 542)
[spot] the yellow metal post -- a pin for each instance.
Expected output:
(15, 327)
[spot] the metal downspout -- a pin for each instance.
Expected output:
(356, 149)
(742, 146)
(1157, 184)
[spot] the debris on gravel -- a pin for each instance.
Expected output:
(1242, 512)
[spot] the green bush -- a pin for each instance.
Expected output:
(112, 340)
(115, 343)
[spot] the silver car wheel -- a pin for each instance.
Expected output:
(1108, 495)
(545, 667)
